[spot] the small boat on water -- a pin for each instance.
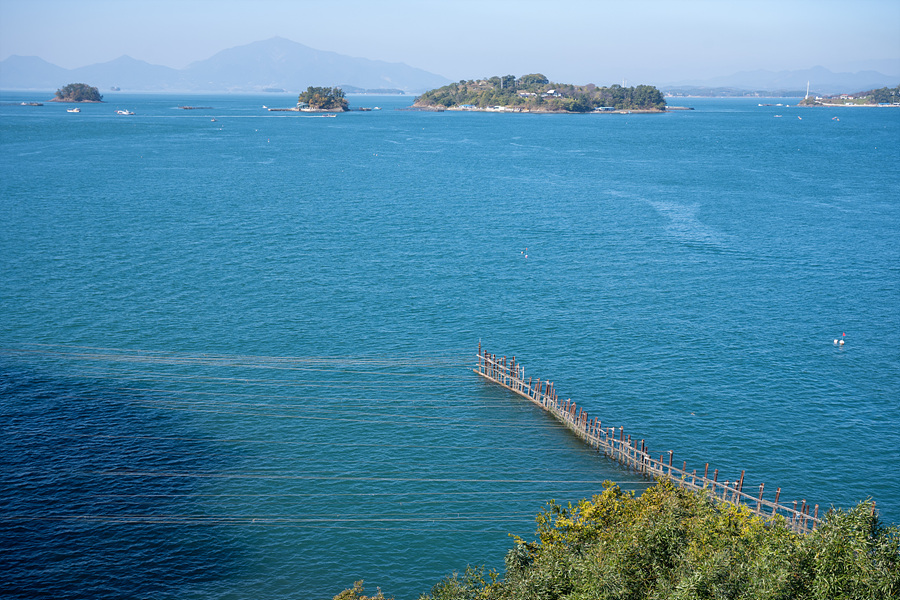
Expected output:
(124, 112)
(73, 110)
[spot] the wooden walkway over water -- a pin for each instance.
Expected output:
(633, 453)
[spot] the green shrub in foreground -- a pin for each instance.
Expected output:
(670, 543)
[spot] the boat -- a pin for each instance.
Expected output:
(124, 112)
(73, 110)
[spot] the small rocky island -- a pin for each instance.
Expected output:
(77, 92)
(535, 93)
(322, 99)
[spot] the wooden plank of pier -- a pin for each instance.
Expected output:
(624, 450)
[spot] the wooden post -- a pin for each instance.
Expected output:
(625, 449)
(644, 455)
(762, 486)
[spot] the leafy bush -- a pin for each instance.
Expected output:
(356, 593)
(670, 543)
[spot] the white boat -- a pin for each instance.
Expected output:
(124, 112)
(73, 110)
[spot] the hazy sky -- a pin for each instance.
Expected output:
(577, 41)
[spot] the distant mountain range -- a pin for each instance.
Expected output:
(276, 64)
(281, 65)
(784, 83)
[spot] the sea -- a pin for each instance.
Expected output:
(237, 345)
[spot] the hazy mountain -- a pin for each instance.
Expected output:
(32, 73)
(821, 81)
(276, 63)
(127, 73)
(281, 63)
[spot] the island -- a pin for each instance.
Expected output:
(535, 93)
(322, 99)
(881, 97)
(77, 92)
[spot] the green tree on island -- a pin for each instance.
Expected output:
(78, 92)
(324, 98)
(534, 92)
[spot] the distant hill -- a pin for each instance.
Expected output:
(783, 83)
(274, 64)
(32, 73)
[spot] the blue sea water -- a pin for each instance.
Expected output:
(236, 346)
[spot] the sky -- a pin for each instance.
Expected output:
(575, 41)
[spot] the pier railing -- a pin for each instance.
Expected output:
(633, 454)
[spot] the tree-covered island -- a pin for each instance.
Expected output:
(535, 93)
(77, 92)
(322, 99)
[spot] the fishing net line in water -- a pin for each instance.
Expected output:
(364, 404)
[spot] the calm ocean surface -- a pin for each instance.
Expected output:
(235, 354)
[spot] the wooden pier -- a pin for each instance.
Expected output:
(633, 453)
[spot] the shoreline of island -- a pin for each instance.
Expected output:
(535, 93)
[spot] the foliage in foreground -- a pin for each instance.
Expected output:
(78, 92)
(670, 543)
(356, 593)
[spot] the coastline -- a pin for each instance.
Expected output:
(842, 105)
(503, 109)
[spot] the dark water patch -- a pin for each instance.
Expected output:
(68, 529)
